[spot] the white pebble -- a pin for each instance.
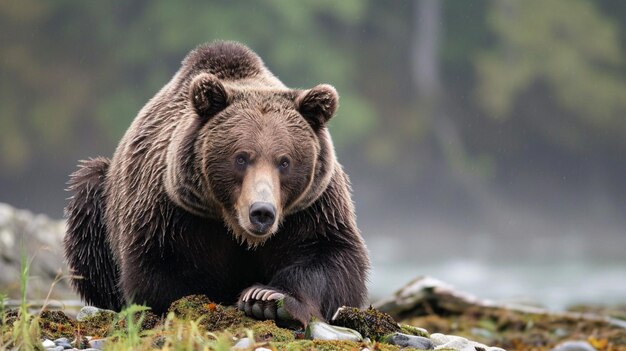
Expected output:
(243, 343)
(48, 344)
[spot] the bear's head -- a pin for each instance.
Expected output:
(251, 156)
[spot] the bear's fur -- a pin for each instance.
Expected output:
(171, 214)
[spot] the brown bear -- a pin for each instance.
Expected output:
(226, 184)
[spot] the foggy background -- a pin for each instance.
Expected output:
(485, 140)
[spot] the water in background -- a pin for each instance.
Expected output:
(554, 271)
(555, 286)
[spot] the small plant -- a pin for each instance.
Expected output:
(189, 335)
(25, 331)
(4, 328)
(131, 335)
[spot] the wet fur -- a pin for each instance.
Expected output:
(156, 228)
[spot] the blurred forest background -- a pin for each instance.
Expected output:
(486, 140)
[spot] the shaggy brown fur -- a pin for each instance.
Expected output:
(171, 214)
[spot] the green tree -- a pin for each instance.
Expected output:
(569, 47)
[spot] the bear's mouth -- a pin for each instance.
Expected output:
(245, 232)
(254, 237)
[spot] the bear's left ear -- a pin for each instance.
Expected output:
(318, 105)
(208, 95)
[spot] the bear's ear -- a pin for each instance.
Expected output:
(318, 105)
(208, 95)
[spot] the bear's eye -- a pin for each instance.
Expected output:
(241, 161)
(284, 163)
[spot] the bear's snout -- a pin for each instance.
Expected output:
(262, 216)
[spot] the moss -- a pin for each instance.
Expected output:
(411, 330)
(371, 323)
(268, 331)
(320, 345)
(55, 324)
(211, 316)
(149, 320)
(331, 345)
(11, 316)
(97, 325)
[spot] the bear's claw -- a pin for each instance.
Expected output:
(266, 303)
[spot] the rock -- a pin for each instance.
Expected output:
(39, 236)
(55, 348)
(317, 330)
(412, 330)
(425, 295)
(262, 349)
(370, 323)
(86, 312)
(243, 343)
(574, 346)
(405, 340)
(410, 298)
(48, 343)
(64, 342)
(97, 343)
(454, 342)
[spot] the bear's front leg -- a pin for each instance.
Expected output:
(264, 302)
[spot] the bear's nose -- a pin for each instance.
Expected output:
(262, 215)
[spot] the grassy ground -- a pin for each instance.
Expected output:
(195, 323)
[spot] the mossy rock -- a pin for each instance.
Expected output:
(211, 316)
(11, 316)
(56, 324)
(149, 321)
(411, 330)
(268, 331)
(97, 325)
(371, 323)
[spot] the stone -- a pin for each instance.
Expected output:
(86, 311)
(405, 340)
(574, 346)
(317, 330)
(64, 342)
(48, 343)
(97, 343)
(243, 343)
(21, 229)
(442, 341)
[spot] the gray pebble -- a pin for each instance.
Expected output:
(63, 342)
(97, 343)
(55, 348)
(85, 312)
(405, 340)
(574, 346)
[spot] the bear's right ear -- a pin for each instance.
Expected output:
(208, 95)
(318, 105)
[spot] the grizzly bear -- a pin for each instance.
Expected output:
(226, 184)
